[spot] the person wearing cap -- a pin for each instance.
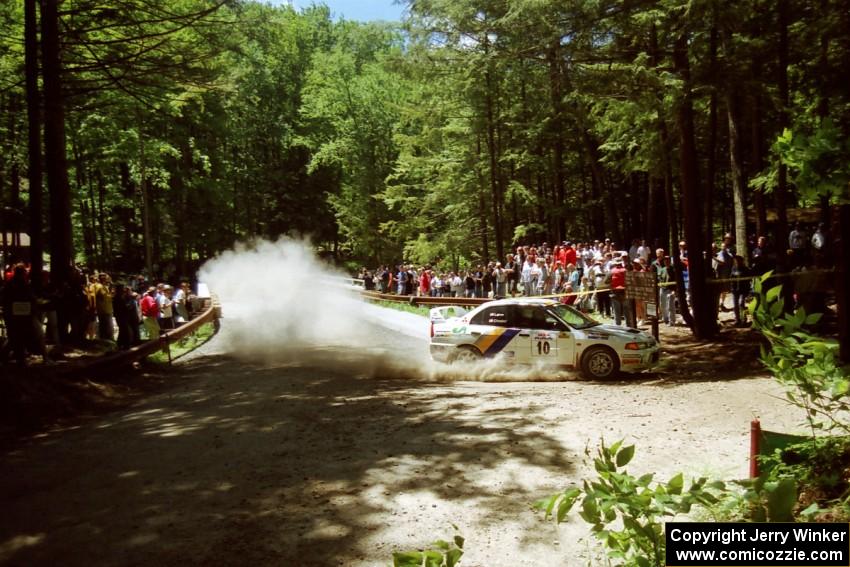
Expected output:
(166, 309)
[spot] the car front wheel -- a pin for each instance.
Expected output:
(600, 363)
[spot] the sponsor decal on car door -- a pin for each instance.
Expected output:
(544, 345)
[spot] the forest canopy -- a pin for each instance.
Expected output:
(168, 130)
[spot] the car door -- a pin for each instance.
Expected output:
(543, 333)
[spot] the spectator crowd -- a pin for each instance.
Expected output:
(90, 307)
(591, 275)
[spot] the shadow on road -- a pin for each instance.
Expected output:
(283, 463)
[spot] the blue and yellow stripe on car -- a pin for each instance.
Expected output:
(495, 340)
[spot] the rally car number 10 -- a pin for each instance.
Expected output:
(539, 330)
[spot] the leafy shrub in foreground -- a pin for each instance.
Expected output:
(626, 512)
(444, 554)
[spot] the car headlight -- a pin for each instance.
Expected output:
(637, 346)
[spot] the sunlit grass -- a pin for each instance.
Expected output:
(406, 307)
(185, 345)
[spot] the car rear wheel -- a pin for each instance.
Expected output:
(466, 354)
(600, 363)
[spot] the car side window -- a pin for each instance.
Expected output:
(552, 324)
(494, 317)
(535, 317)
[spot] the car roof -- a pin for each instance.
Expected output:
(521, 301)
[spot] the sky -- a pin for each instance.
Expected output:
(362, 10)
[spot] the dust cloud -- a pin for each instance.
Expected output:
(283, 306)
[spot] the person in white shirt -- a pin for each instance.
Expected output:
(530, 275)
(166, 311)
(456, 285)
(501, 276)
(819, 238)
(181, 313)
(644, 252)
(436, 285)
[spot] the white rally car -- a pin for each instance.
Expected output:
(529, 331)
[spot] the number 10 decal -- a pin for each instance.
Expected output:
(543, 347)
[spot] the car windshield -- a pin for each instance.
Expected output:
(573, 317)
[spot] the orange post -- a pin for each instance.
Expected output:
(755, 439)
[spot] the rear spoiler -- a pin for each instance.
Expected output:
(443, 314)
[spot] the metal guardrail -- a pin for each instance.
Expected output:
(136, 353)
(432, 301)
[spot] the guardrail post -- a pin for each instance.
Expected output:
(164, 339)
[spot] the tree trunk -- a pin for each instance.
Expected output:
(842, 290)
(651, 213)
(61, 237)
(482, 211)
(557, 139)
(781, 193)
(711, 174)
(494, 173)
(128, 219)
(183, 176)
(611, 220)
(705, 324)
(92, 210)
(36, 201)
(494, 163)
(823, 100)
(736, 162)
(102, 221)
(80, 184)
(757, 151)
(146, 205)
(597, 211)
(669, 197)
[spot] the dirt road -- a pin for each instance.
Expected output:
(324, 457)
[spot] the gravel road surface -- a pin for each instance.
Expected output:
(327, 455)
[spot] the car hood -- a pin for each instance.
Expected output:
(626, 333)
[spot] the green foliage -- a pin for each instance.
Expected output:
(819, 466)
(467, 128)
(767, 498)
(349, 104)
(806, 364)
(819, 162)
(626, 513)
(443, 554)
(185, 345)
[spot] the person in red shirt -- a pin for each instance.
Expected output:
(618, 290)
(569, 255)
(424, 283)
(639, 265)
(150, 313)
